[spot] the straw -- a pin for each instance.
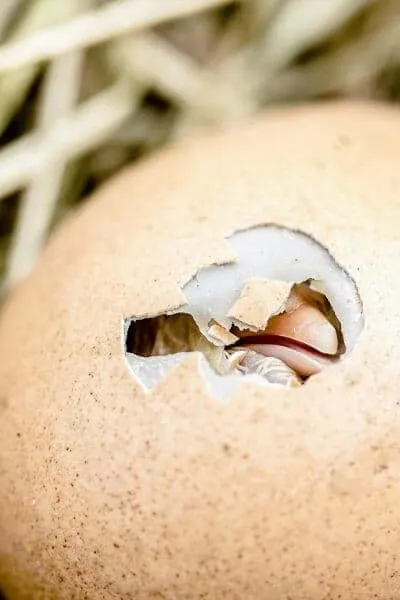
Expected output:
(155, 63)
(98, 26)
(90, 125)
(39, 14)
(7, 9)
(60, 95)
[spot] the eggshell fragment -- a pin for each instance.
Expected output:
(258, 301)
(111, 491)
(221, 335)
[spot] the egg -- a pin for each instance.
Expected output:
(199, 382)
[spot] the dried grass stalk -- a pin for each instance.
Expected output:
(7, 9)
(39, 14)
(153, 62)
(71, 136)
(111, 21)
(60, 95)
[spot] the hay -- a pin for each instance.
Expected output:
(88, 86)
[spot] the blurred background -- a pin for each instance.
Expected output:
(87, 86)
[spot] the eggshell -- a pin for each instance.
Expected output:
(259, 300)
(108, 492)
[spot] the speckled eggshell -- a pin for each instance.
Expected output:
(111, 493)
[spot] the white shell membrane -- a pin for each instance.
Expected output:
(270, 252)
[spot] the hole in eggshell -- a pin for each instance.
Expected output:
(170, 334)
(298, 340)
(281, 312)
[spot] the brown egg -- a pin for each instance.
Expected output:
(148, 450)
